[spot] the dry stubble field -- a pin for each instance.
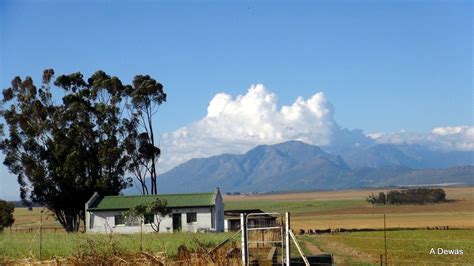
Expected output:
(348, 209)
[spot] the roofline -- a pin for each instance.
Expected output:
(126, 209)
(158, 195)
(91, 200)
(216, 192)
(96, 195)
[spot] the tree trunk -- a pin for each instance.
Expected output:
(70, 219)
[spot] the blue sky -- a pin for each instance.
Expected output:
(384, 66)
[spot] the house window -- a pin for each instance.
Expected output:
(119, 219)
(149, 218)
(191, 217)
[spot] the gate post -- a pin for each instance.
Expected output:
(287, 238)
(243, 228)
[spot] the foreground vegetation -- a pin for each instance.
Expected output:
(63, 245)
(403, 247)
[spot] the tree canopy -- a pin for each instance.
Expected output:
(62, 151)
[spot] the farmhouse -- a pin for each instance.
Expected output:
(189, 212)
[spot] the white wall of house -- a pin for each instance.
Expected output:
(104, 221)
(226, 225)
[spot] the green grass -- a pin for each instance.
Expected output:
(403, 247)
(295, 206)
(26, 245)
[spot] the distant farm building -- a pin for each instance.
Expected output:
(232, 219)
(189, 212)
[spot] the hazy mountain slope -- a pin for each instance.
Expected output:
(263, 168)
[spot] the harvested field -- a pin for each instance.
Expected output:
(409, 220)
(348, 209)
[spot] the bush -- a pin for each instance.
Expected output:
(6, 214)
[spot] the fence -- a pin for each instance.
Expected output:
(396, 246)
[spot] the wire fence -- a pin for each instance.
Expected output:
(446, 247)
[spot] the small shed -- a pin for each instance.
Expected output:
(190, 212)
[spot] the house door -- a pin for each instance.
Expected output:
(176, 222)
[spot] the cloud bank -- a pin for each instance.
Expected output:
(440, 138)
(235, 125)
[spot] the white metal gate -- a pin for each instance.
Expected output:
(266, 239)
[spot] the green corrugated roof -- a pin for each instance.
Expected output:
(174, 201)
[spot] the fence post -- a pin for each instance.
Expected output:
(385, 238)
(287, 238)
(41, 237)
(244, 239)
(381, 259)
(141, 234)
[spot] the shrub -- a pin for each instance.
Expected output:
(6, 214)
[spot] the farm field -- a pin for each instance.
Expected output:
(348, 209)
(25, 218)
(404, 247)
(310, 210)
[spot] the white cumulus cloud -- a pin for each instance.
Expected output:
(235, 125)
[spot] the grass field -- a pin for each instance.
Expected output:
(405, 247)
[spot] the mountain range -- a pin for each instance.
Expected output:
(295, 165)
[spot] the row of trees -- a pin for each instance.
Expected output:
(72, 136)
(409, 196)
